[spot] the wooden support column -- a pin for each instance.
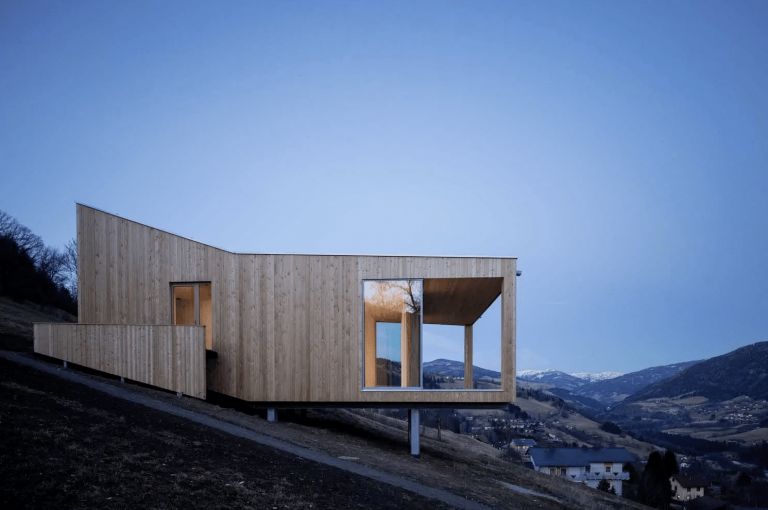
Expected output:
(468, 382)
(410, 345)
(413, 430)
(370, 348)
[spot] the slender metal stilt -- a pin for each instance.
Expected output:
(414, 419)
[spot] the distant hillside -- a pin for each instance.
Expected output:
(740, 372)
(611, 391)
(580, 400)
(600, 388)
(450, 368)
(16, 321)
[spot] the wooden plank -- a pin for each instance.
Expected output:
(269, 308)
(350, 329)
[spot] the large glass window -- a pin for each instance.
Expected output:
(433, 333)
(392, 333)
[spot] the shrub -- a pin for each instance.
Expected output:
(610, 427)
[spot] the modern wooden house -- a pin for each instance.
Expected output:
(276, 330)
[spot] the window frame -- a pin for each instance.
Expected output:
(198, 320)
(420, 387)
(365, 388)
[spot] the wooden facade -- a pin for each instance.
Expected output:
(285, 328)
(170, 357)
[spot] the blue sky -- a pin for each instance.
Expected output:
(618, 149)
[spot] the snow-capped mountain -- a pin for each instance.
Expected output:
(602, 376)
(605, 387)
(553, 377)
(534, 374)
(539, 375)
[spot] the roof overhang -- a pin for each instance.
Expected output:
(458, 301)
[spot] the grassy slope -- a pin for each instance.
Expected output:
(456, 463)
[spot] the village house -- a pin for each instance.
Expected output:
(685, 487)
(586, 465)
(522, 445)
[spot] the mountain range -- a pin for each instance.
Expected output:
(451, 368)
(740, 372)
(607, 391)
(743, 372)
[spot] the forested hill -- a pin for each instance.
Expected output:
(32, 271)
(740, 372)
(611, 391)
(451, 368)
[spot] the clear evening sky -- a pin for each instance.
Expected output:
(618, 149)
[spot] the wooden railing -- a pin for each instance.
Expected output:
(169, 357)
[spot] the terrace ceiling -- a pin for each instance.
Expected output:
(458, 301)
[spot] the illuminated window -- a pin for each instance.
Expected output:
(191, 304)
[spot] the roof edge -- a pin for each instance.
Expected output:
(298, 254)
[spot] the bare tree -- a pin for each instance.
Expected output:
(70, 267)
(32, 244)
(395, 293)
(50, 262)
(59, 265)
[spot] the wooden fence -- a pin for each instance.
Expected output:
(169, 357)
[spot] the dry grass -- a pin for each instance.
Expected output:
(66, 446)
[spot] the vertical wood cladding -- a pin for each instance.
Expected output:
(169, 357)
(286, 328)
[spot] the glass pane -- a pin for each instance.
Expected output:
(487, 348)
(388, 361)
(443, 347)
(462, 326)
(392, 349)
(184, 305)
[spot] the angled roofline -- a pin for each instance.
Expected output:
(301, 254)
